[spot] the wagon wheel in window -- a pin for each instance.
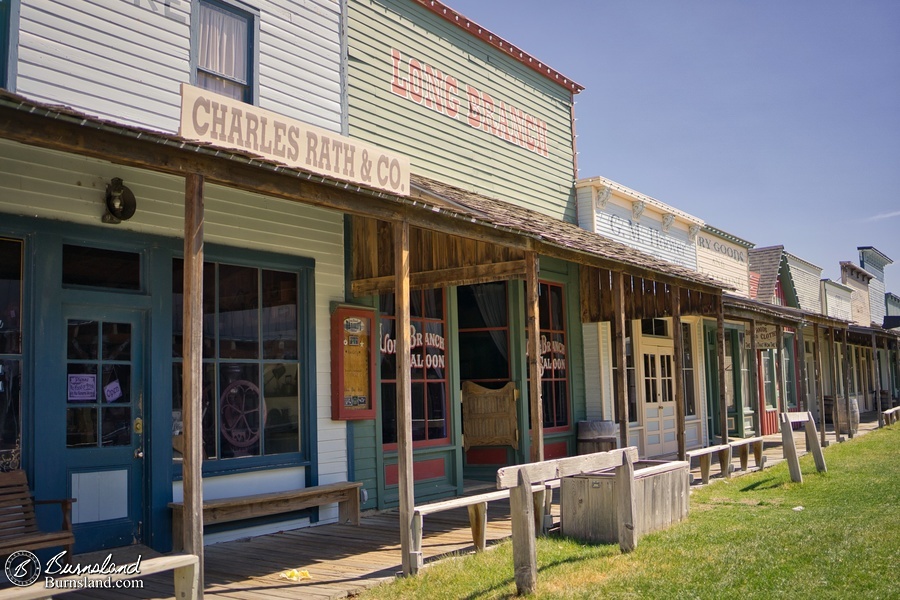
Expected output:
(242, 414)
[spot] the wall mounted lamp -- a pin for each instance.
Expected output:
(120, 202)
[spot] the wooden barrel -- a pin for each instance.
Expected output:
(840, 406)
(597, 436)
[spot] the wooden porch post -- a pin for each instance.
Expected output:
(779, 369)
(678, 343)
(191, 376)
(533, 325)
(720, 342)
(835, 412)
(802, 401)
(621, 379)
(876, 382)
(404, 396)
(820, 393)
(847, 381)
(754, 371)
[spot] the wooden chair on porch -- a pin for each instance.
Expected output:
(489, 416)
(18, 525)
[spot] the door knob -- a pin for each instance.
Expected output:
(138, 453)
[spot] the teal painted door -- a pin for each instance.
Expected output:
(102, 404)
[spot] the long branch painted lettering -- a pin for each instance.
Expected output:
(430, 87)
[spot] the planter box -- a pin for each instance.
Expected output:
(588, 502)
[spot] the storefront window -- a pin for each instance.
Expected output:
(687, 371)
(790, 371)
(10, 353)
(251, 374)
(630, 377)
(428, 368)
(767, 365)
(554, 358)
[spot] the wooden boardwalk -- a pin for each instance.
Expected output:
(343, 559)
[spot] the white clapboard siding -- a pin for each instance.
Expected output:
(877, 309)
(837, 301)
(64, 187)
(584, 199)
(125, 60)
(646, 235)
(725, 261)
(806, 278)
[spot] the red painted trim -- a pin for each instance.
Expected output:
(556, 450)
(491, 38)
(423, 469)
(486, 456)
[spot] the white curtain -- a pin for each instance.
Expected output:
(223, 50)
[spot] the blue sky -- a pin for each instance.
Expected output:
(775, 120)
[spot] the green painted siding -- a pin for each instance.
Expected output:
(445, 148)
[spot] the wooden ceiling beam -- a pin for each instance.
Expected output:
(487, 273)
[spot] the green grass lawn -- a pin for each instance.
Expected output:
(745, 538)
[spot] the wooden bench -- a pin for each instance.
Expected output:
(477, 505)
(225, 510)
(743, 446)
(892, 415)
(705, 455)
(184, 566)
(18, 526)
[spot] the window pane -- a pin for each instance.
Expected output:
(239, 410)
(482, 306)
(483, 355)
(223, 42)
(282, 401)
(10, 414)
(437, 402)
(116, 426)
(98, 267)
(83, 340)
(279, 314)
(389, 413)
(81, 427)
(81, 383)
(388, 350)
(117, 341)
(116, 384)
(238, 312)
(419, 430)
(10, 297)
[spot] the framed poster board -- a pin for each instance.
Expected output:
(352, 363)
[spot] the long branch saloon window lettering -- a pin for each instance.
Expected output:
(251, 368)
(10, 353)
(554, 359)
(428, 368)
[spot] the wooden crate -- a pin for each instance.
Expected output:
(588, 502)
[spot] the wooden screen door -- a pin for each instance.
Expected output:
(103, 406)
(660, 427)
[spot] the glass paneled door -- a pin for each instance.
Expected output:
(104, 447)
(660, 424)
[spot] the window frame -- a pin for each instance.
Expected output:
(306, 322)
(253, 28)
(9, 43)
